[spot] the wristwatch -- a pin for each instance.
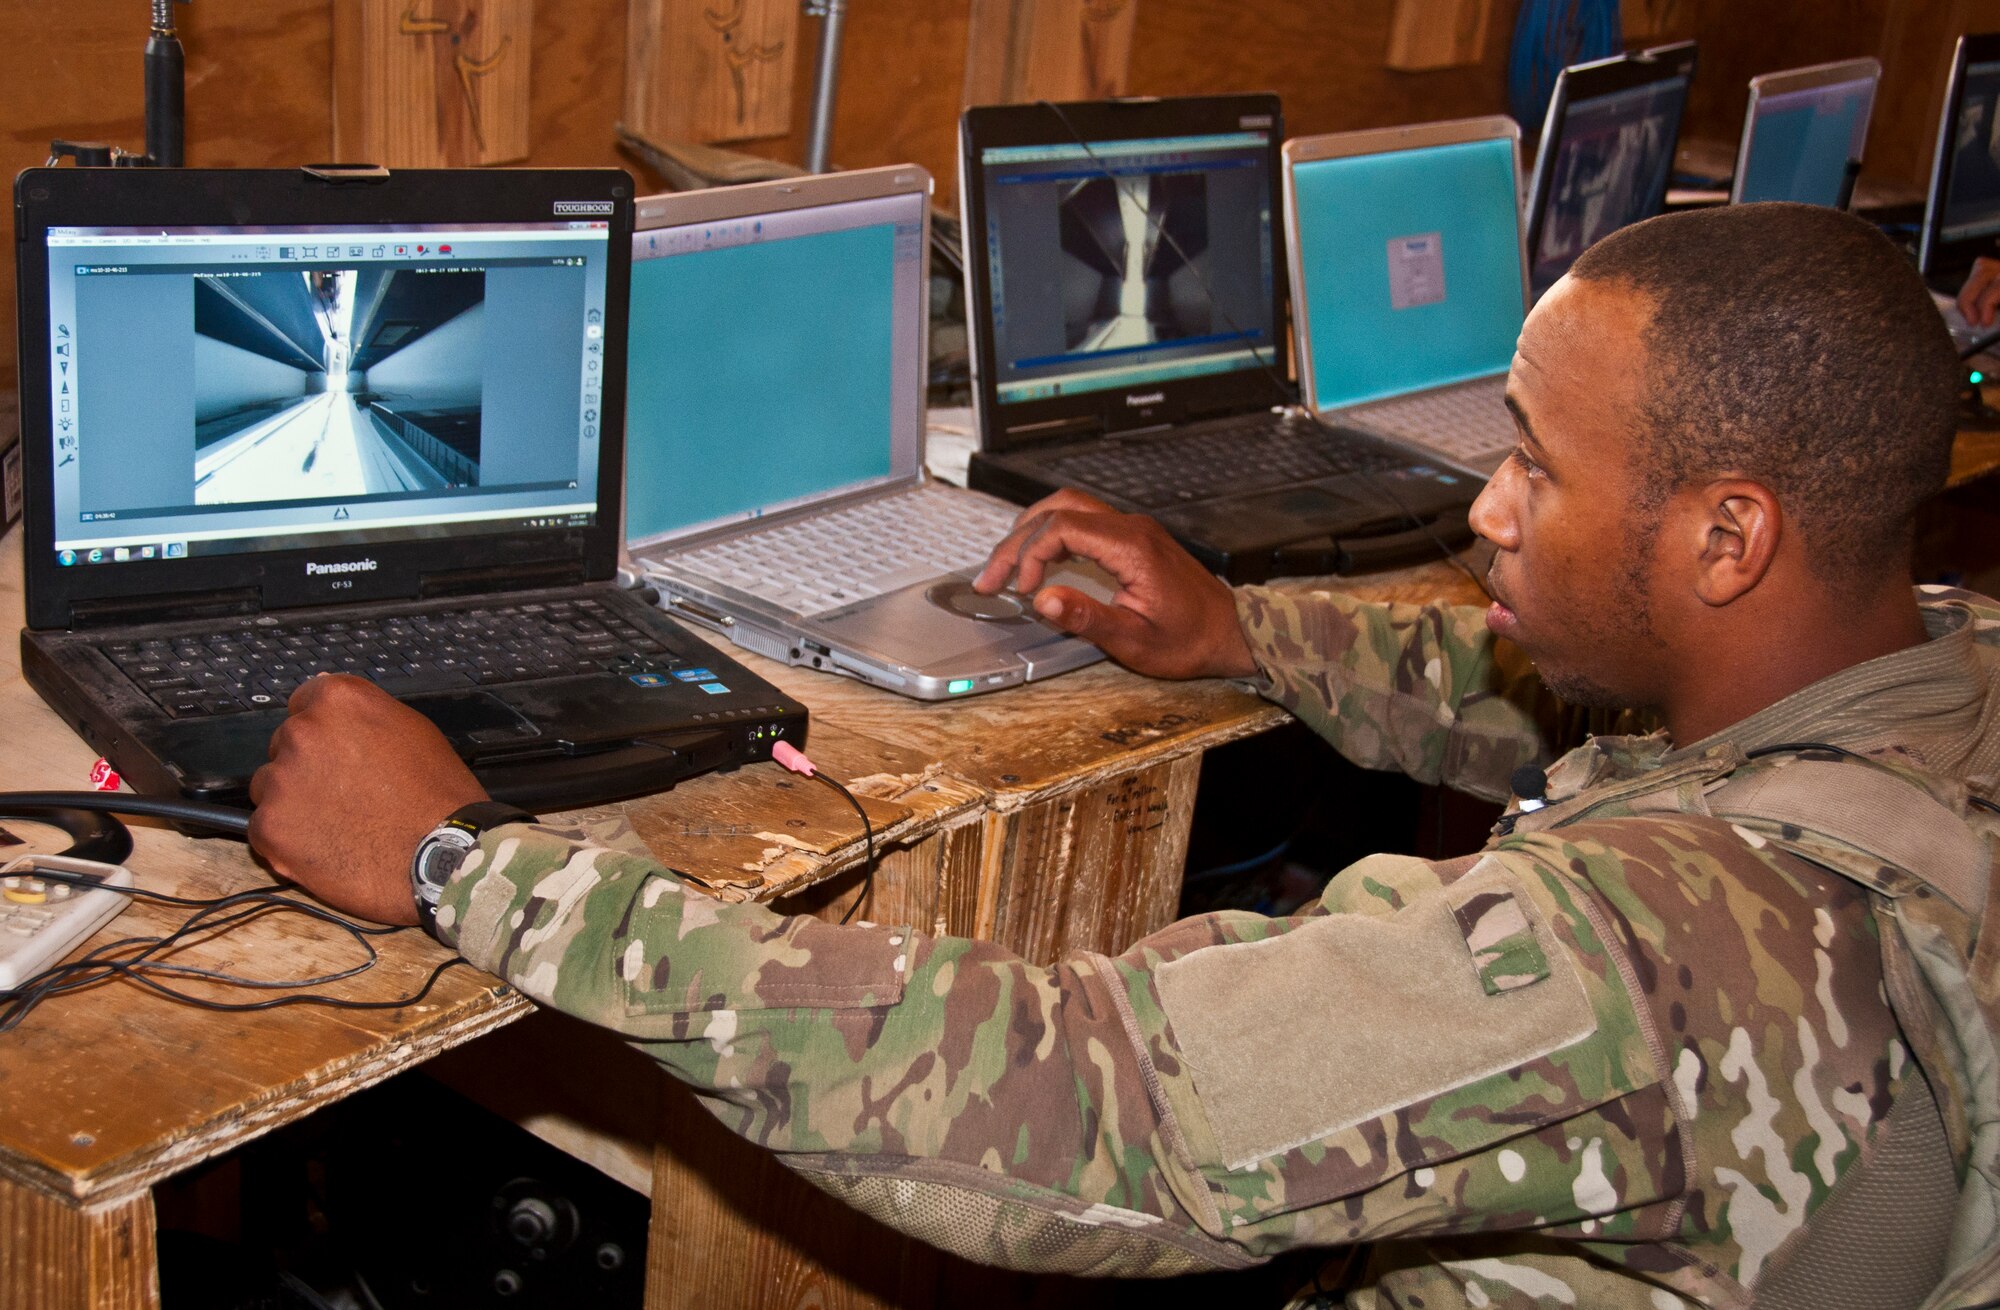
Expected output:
(441, 852)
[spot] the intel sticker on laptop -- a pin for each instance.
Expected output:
(694, 675)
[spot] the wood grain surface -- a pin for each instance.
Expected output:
(432, 83)
(1024, 50)
(710, 70)
(1430, 34)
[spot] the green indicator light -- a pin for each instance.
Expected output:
(1977, 377)
(959, 686)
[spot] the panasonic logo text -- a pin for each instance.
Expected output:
(1150, 398)
(345, 566)
(583, 207)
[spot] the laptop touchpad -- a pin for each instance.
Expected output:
(477, 717)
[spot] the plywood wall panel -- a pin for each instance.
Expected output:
(1325, 59)
(260, 74)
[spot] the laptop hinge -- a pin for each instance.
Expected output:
(118, 611)
(507, 577)
(1197, 413)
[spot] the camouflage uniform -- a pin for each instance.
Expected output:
(1611, 1064)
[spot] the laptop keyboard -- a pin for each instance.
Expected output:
(1469, 422)
(257, 664)
(837, 557)
(1224, 458)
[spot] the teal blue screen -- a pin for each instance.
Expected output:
(759, 374)
(1800, 144)
(1350, 210)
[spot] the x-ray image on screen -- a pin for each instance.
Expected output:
(336, 383)
(1126, 279)
(1610, 172)
(1973, 206)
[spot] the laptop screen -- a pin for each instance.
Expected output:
(217, 391)
(776, 359)
(1130, 263)
(1802, 143)
(1972, 195)
(1410, 264)
(1610, 171)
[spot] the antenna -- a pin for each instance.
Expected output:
(166, 106)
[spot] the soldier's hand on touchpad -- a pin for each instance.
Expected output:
(1165, 614)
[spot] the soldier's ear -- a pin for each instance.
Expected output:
(1736, 527)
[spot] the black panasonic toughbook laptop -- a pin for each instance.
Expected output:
(279, 423)
(1125, 299)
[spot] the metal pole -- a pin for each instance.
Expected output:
(826, 80)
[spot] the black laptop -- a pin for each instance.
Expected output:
(1606, 153)
(1125, 297)
(279, 423)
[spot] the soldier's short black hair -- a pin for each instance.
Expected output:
(1796, 346)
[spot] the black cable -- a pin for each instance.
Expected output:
(868, 831)
(213, 914)
(215, 818)
(1268, 366)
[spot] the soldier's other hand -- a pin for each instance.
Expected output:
(1170, 618)
(1979, 298)
(356, 780)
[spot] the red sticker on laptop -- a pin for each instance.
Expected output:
(103, 777)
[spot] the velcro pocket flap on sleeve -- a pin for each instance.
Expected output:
(1351, 1018)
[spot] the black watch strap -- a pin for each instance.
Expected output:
(481, 815)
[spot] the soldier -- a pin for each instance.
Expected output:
(1634, 1053)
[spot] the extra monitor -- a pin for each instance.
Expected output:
(809, 316)
(1606, 152)
(1962, 212)
(1173, 289)
(1803, 134)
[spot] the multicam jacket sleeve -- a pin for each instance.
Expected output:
(1465, 1056)
(1417, 688)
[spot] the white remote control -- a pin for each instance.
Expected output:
(42, 920)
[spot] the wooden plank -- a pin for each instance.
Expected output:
(54, 1256)
(1091, 870)
(1915, 47)
(1430, 34)
(710, 70)
(1025, 50)
(763, 832)
(1643, 21)
(1975, 455)
(432, 83)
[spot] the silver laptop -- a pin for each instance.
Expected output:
(774, 472)
(1409, 282)
(1803, 133)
